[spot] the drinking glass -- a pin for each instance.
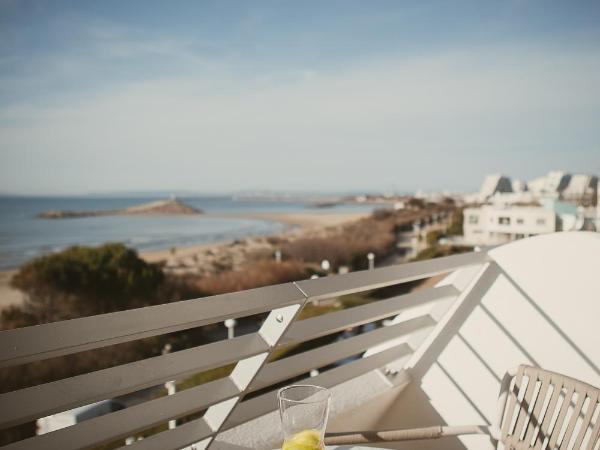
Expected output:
(304, 409)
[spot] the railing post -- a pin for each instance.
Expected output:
(171, 389)
(230, 325)
(272, 329)
(371, 259)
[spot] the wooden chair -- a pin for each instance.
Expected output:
(537, 409)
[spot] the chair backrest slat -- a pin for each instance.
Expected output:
(512, 403)
(535, 418)
(595, 434)
(575, 414)
(564, 407)
(538, 413)
(587, 419)
(525, 407)
(556, 386)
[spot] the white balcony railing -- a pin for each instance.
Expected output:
(424, 322)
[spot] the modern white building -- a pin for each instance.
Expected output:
(582, 189)
(493, 184)
(550, 185)
(494, 225)
(513, 198)
(578, 188)
(519, 186)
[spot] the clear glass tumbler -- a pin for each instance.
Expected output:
(304, 410)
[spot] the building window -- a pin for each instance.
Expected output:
(520, 221)
(541, 221)
(504, 220)
(474, 220)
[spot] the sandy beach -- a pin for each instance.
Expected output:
(8, 295)
(204, 258)
(299, 223)
(303, 220)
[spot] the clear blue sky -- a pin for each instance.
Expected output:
(294, 95)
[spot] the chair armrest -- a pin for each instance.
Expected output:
(371, 436)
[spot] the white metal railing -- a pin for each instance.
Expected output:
(222, 400)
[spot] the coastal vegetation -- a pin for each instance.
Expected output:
(435, 249)
(456, 225)
(348, 247)
(261, 273)
(83, 281)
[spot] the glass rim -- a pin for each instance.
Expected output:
(318, 388)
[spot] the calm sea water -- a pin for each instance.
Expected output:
(24, 236)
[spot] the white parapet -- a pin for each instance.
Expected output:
(540, 306)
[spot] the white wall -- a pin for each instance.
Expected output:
(549, 320)
(498, 225)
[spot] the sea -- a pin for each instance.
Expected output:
(24, 236)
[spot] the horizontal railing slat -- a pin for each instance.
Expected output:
(340, 320)
(321, 288)
(61, 338)
(70, 336)
(128, 422)
(186, 434)
(295, 365)
(266, 403)
(39, 401)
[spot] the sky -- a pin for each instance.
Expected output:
(333, 96)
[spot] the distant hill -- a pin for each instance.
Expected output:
(170, 207)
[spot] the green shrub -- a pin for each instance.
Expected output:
(416, 203)
(81, 281)
(432, 237)
(456, 225)
(438, 251)
(111, 270)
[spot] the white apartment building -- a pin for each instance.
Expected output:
(519, 186)
(550, 185)
(493, 184)
(494, 224)
(582, 189)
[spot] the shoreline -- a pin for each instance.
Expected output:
(201, 259)
(298, 224)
